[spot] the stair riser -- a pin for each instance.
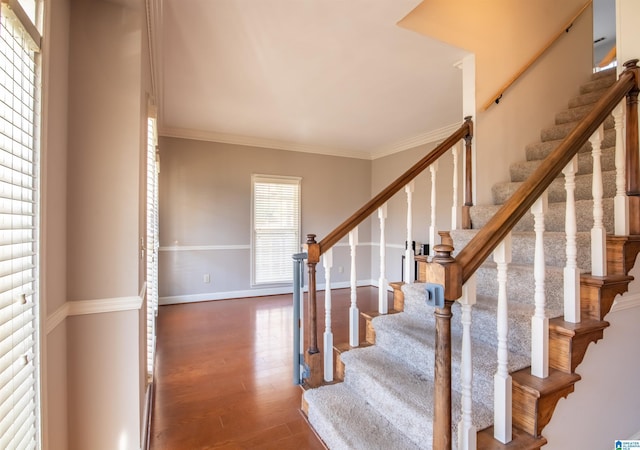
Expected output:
(554, 219)
(540, 150)
(523, 170)
(556, 191)
(562, 131)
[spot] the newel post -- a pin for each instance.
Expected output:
(312, 356)
(445, 272)
(633, 168)
(468, 177)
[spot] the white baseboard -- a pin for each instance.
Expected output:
(227, 295)
(626, 301)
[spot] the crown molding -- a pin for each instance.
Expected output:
(415, 141)
(224, 138)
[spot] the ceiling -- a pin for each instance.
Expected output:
(327, 76)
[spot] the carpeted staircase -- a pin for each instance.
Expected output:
(385, 401)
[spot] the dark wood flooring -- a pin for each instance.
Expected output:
(224, 373)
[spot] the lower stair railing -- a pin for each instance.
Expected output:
(318, 367)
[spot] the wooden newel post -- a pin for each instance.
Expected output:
(468, 180)
(633, 168)
(312, 356)
(443, 270)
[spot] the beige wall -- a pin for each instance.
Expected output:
(205, 200)
(105, 222)
(53, 286)
(503, 35)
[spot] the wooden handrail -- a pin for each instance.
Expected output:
(565, 29)
(465, 131)
(489, 236)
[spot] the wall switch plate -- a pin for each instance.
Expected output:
(207, 278)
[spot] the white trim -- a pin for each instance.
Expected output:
(193, 248)
(415, 141)
(635, 437)
(98, 306)
(626, 301)
(228, 295)
(212, 136)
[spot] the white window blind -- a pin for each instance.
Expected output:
(152, 242)
(19, 128)
(276, 228)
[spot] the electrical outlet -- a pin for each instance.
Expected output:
(207, 278)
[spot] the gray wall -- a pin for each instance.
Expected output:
(205, 202)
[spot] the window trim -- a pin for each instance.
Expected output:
(276, 179)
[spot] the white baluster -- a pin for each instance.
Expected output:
(571, 271)
(409, 254)
(432, 228)
(383, 304)
(327, 263)
(621, 203)
(466, 430)
(354, 314)
(455, 217)
(502, 417)
(598, 232)
(539, 321)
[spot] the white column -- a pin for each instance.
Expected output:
(433, 232)
(598, 233)
(383, 303)
(571, 271)
(409, 253)
(502, 416)
(466, 430)
(539, 321)
(354, 314)
(455, 207)
(621, 203)
(327, 263)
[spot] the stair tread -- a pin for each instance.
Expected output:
(353, 421)
(557, 380)
(520, 440)
(559, 325)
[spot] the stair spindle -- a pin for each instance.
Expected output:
(502, 410)
(327, 263)
(454, 204)
(354, 313)
(432, 227)
(621, 204)
(539, 321)
(467, 433)
(571, 271)
(409, 252)
(383, 306)
(598, 232)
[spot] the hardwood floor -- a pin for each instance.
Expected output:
(224, 373)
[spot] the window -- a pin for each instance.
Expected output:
(152, 242)
(276, 228)
(19, 184)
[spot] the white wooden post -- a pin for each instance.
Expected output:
(383, 303)
(598, 232)
(539, 321)
(502, 414)
(571, 271)
(466, 430)
(327, 262)
(354, 314)
(409, 253)
(432, 227)
(621, 203)
(455, 217)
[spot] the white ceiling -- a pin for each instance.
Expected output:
(327, 76)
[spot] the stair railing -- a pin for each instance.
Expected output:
(453, 273)
(319, 369)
